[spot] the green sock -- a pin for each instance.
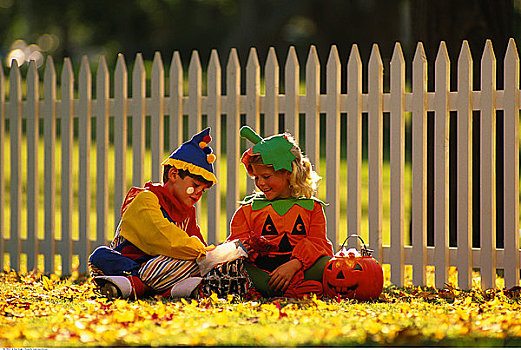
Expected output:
(260, 280)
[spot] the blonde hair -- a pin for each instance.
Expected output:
(303, 180)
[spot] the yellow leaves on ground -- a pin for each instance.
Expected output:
(47, 284)
(41, 311)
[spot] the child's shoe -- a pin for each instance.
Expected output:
(300, 288)
(120, 286)
(185, 288)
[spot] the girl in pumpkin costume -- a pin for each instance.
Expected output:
(284, 226)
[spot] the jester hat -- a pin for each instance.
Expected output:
(195, 156)
(274, 150)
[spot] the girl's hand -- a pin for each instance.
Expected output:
(282, 275)
(249, 249)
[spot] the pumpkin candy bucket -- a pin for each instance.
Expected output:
(352, 274)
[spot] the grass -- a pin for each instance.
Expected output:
(46, 311)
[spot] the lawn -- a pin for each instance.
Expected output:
(46, 311)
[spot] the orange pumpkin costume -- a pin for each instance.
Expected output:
(280, 230)
(296, 228)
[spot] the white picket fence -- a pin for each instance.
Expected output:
(50, 111)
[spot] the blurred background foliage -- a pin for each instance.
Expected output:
(32, 29)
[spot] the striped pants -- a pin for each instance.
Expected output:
(162, 272)
(159, 273)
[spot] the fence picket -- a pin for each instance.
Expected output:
(375, 144)
(120, 135)
(32, 135)
(84, 188)
(419, 166)
(271, 99)
(193, 104)
(291, 93)
(354, 140)
(66, 113)
(333, 146)
(252, 107)
(312, 108)
(157, 117)
(138, 120)
(48, 245)
(102, 148)
(488, 164)
(464, 167)
(2, 167)
(175, 102)
(214, 122)
(15, 131)
(441, 166)
(232, 109)
(511, 166)
(397, 159)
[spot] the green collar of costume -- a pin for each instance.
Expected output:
(258, 201)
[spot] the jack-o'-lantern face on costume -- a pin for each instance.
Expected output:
(352, 275)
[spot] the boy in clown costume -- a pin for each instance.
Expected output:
(284, 226)
(158, 241)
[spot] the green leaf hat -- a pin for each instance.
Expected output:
(274, 150)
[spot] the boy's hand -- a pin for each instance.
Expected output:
(282, 275)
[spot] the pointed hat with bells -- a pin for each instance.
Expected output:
(195, 156)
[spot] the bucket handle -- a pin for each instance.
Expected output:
(364, 251)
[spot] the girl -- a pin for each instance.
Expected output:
(283, 227)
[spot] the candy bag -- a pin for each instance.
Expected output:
(222, 253)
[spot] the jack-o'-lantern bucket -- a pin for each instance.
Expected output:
(353, 274)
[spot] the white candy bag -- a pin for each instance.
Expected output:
(222, 253)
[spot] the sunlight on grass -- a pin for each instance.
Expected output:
(48, 311)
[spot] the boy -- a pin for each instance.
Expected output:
(158, 240)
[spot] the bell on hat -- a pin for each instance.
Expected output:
(195, 156)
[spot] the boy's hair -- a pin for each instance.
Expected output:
(303, 180)
(184, 173)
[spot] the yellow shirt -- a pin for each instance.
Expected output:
(144, 225)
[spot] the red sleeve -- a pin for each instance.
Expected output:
(316, 243)
(240, 227)
(193, 228)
